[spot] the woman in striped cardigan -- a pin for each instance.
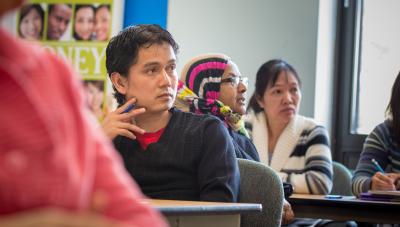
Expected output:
(296, 147)
(383, 145)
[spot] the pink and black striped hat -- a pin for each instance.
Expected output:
(203, 74)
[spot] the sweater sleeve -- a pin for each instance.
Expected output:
(218, 169)
(374, 148)
(316, 177)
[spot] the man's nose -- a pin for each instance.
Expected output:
(165, 78)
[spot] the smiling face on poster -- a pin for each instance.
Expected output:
(84, 22)
(102, 22)
(31, 22)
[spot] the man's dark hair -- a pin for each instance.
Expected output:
(122, 50)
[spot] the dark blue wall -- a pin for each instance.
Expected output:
(146, 12)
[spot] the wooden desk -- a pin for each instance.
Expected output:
(345, 209)
(199, 214)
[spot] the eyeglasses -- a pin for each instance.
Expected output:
(235, 80)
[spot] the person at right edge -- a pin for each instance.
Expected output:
(383, 145)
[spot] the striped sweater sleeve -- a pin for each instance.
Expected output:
(375, 147)
(315, 176)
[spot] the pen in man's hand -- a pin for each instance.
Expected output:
(377, 166)
(129, 108)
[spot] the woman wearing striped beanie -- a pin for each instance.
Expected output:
(212, 84)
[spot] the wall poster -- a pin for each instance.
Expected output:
(77, 30)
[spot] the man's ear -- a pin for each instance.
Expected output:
(120, 82)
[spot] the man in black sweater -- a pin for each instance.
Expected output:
(170, 154)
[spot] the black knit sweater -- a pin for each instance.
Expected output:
(194, 159)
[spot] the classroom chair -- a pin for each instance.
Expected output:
(341, 180)
(260, 184)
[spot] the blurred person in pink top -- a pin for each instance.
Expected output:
(55, 168)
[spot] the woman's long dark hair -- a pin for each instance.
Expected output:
(267, 75)
(393, 110)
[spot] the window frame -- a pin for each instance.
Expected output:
(347, 145)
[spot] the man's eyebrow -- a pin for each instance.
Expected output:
(172, 61)
(149, 64)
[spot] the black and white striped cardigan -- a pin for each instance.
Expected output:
(302, 154)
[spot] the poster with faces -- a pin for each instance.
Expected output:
(79, 31)
(68, 21)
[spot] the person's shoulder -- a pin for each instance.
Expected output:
(193, 117)
(311, 127)
(238, 135)
(309, 123)
(240, 138)
(382, 130)
(199, 124)
(387, 124)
